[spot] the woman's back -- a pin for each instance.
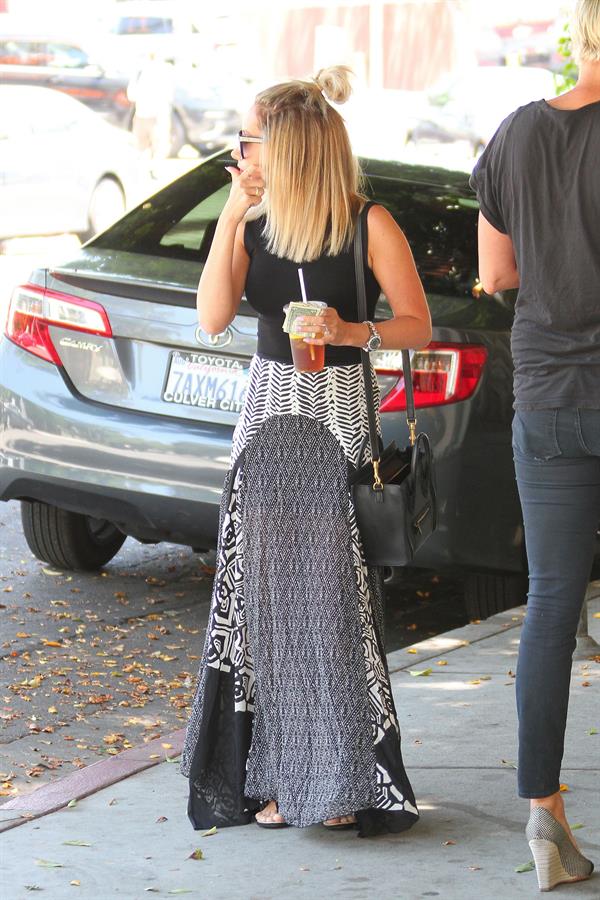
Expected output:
(539, 182)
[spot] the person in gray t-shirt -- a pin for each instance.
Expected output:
(538, 184)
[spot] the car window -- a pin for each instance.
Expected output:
(175, 222)
(189, 233)
(15, 52)
(144, 25)
(439, 220)
(440, 224)
(66, 56)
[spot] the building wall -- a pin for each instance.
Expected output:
(404, 45)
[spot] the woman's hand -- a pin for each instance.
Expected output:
(247, 189)
(329, 328)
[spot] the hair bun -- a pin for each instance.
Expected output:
(335, 83)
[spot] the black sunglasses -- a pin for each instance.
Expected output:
(247, 139)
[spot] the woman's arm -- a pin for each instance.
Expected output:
(497, 263)
(392, 262)
(225, 270)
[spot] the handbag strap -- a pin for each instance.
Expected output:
(361, 295)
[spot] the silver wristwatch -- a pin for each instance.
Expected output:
(374, 342)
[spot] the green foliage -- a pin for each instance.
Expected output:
(568, 75)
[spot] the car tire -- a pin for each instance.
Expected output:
(69, 540)
(107, 204)
(488, 593)
(178, 135)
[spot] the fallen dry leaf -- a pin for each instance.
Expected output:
(526, 867)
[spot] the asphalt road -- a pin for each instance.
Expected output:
(93, 663)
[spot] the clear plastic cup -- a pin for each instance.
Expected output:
(307, 357)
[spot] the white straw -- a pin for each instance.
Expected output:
(302, 287)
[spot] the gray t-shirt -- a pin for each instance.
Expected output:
(538, 181)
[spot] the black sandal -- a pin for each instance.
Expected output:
(271, 824)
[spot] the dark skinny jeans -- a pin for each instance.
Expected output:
(557, 463)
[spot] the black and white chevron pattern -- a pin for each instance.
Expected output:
(334, 396)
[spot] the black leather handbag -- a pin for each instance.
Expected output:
(394, 494)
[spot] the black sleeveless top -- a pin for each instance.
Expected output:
(273, 281)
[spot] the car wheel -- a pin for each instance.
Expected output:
(178, 135)
(487, 593)
(107, 204)
(69, 540)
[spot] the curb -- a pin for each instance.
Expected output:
(56, 795)
(49, 798)
(451, 641)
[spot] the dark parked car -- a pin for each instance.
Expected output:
(202, 116)
(117, 411)
(46, 62)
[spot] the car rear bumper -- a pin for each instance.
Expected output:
(155, 477)
(160, 478)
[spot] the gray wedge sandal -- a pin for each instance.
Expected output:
(557, 861)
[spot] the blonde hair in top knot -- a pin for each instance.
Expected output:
(312, 176)
(335, 83)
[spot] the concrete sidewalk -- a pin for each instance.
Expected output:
(458, 725)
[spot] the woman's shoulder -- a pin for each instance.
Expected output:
(379, 218)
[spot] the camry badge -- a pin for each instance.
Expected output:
(80, 345)
(214, 340)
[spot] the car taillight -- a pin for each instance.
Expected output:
(121, 99)
(441, 373)
(33, 310)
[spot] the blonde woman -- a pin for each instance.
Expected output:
(293, 721)
(538, 183)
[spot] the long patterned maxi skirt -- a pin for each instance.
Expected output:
(293, 702)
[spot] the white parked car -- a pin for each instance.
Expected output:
(63, 168)
(470, 106)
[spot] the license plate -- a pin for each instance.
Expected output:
(206, 381)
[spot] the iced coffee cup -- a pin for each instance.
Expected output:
(306, 357)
